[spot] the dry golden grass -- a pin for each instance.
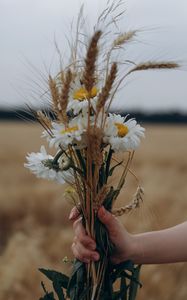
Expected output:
(34, 227)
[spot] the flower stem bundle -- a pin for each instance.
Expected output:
(87, 139)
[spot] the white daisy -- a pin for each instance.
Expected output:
(40, 164)
(79, 98)
(122, 135)
(66, 135)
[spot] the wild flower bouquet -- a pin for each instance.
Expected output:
(87, 139)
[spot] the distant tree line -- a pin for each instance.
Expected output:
(170, 117)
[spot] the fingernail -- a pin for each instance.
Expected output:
(71, 215)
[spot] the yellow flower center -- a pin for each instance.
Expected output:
(122, 129)
(82, 94)
(69, 130)
(70, 191)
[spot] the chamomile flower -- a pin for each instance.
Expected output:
(41, 164)
(66, 135)
(122, 135)
(80, 97)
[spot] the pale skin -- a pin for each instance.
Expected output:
(156, 247)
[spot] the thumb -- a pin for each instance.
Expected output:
(74, 214)
(108, 219)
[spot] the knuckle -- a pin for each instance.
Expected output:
(75, 224)
(81, 239)
(108, 217)
(75, 239)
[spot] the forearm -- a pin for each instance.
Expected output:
(165, 246)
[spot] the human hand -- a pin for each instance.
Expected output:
(84, 247)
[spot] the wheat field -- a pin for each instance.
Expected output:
(34, 227)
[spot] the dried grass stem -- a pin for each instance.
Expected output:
(54, 93)
(123, 38)
(105, 92)
(63, 99)
(135, 203)
(90, 62)
(154, 65)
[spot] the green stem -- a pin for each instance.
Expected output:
(58, 155)
(108, 161)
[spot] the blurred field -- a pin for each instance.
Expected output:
(34, 227)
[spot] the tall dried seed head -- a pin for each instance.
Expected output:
(124, 38)
(43, 118)
(135, 203)
(54, 93)
(90, 62)
(45, 121)
(105, 92)
(100, 197)
(154, 65)
(63, 99)
(94, 138)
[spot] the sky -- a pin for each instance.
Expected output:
(28, 29)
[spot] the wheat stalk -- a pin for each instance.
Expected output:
(63, 99)
(43, 118)
(100, 197)
(95, 140)
(123, 38)
(135, 203)
(105, 92)
(154, 65)
(44, 121)
(143, 67)
(54, 94)
(90, 62)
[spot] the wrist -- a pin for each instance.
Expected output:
(130, 249)
(135, 250)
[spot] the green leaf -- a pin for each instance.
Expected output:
(110, 197)
(127, 265)
(123, 288)
(76, 282)
(48, 296)
(80, 280)
(108, 161)
(82, 161)
(76, 265)
(102, 238)
(114, 167)
(85, 293)
(120, 295)
(119, 273)
(102, 176)
(134, 283)
(55, 276)
(58, 290)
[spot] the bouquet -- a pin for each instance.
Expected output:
(87, 138)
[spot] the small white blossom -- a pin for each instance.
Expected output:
(79, 96)
(122, 135)
(65, 135)
(37, 163)
(78, 106)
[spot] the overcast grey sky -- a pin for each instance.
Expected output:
(27, 29)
